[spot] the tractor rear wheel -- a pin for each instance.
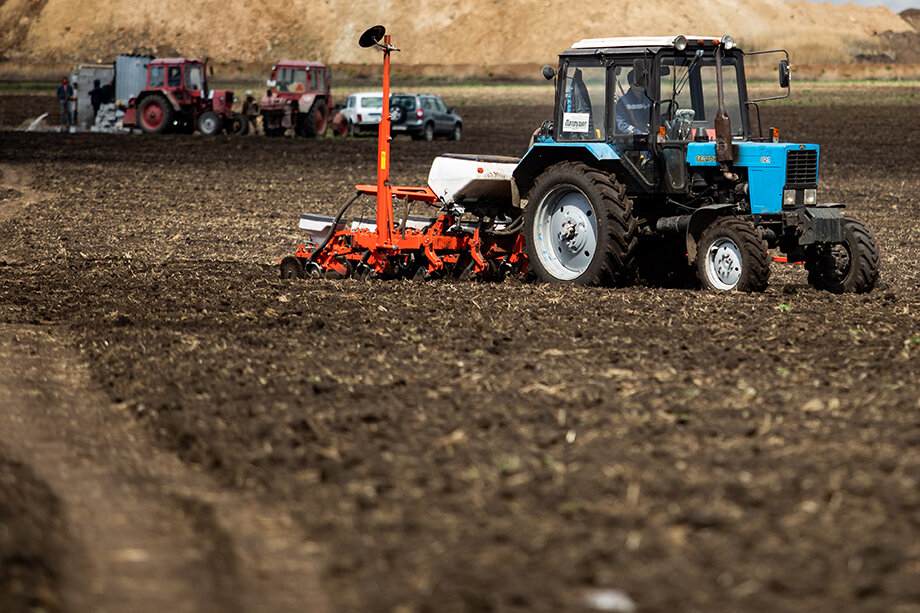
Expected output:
(579, 227)
(209, 123)
(155, 114)
(732, 255)
(851, 266)
(291, 268)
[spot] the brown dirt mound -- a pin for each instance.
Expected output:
(429, 31)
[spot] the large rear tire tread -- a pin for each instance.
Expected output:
(617, 235)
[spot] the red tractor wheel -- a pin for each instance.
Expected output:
(154, 114)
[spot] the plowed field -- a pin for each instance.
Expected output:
(454, 446)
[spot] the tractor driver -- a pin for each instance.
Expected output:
(632, 108)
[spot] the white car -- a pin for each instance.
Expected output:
(363, 111)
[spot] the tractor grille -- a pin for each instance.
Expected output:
(802, 168)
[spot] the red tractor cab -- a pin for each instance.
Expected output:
(298, 98)
(177, 98)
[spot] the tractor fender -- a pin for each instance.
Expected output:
(136, 102)
(542, 155)
(305, 103)
(699, 221)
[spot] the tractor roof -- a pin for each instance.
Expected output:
(175, 60)
(298, 64)
(643, 42)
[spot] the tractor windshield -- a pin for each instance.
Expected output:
(291, 80)
(689, 95)
(194, 77)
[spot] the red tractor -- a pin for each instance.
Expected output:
(177, 98)
(297, 97)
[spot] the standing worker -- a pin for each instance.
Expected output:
(65, 95)
(251, 111)
(96, 98)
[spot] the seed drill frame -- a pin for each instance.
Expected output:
(489, 247)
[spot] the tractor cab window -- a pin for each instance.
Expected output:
(156, 76)
(632, 105)
(583, 109)
(194, 78)
(313, 77)
(689, 96)
(320, 80)
(291, 80)
(174, 76)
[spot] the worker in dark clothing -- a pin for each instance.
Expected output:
(251, 111)
(108, 93)
(633, 107)
(64, 96)
(96, 98)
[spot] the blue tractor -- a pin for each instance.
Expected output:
(655, 164)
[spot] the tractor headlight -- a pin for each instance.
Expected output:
(811, 196)
(728, 42)
(680, 43)
(788, 196)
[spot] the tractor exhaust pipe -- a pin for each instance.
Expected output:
(723, 123)
(673, 225)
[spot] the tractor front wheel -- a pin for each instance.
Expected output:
(209, 123)
(238, 125)
(579, 227)
(732, 255)
(851, 266)
(155, 114)
(314, 123)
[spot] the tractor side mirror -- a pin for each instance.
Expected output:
(549, 72)
(211, 70)
(784, 73)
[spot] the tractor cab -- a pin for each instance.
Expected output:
(290, 79)
(184, 78)
(647, 99)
